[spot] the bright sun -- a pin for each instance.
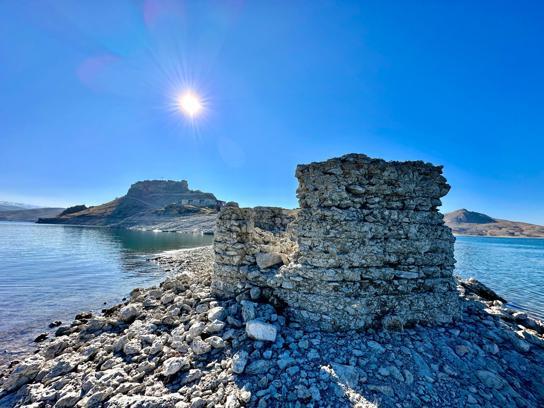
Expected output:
(189, 103)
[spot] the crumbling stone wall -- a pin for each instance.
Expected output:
(371, 247)
(250, 244)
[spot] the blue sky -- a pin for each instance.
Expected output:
(87, 90)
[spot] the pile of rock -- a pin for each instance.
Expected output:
(177, 345)
(371, 248)
(173, 345)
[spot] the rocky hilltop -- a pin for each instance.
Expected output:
(465, 222)
(151, 204)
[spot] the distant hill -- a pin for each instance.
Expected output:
(150, 204)
(10, 206)
(30, 215)
(465, 222)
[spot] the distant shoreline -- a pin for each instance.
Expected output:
(495, 236)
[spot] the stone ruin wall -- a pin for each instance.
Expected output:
(250, 244)
(368, 247)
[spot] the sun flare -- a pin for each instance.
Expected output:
(190, 104)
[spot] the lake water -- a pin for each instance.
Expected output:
(51, 272)
(512, 267)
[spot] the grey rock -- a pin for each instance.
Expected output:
(199, 346)
(130, 312)
(23, 373)
(490, 379)
(239, 361)
(255, 293)
(132, 347)
(68, 400)
(216, 342)
(258, 367)
(174, 365)
(198, 403)
(214, 327)
(347, 375)
(267, 260)
(377, 347)
(232, 402)
(248, 310)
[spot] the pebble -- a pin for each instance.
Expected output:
(217, 313)
(239, 362)
(174, 364)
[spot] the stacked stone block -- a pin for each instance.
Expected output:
(367, 248)
(250, 244)
(372, 248)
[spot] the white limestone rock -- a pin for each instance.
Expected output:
(257, 330)
(174, 365)
(267, 260)
(199, 346)
(217, 313)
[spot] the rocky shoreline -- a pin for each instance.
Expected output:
(177, 345)
(191, 224)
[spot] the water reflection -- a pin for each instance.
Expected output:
(50, 272)
(147, 241)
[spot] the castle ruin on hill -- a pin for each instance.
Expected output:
(367, 248)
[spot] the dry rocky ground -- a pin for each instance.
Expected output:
(178, 346)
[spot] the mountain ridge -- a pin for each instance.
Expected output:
(465, 222)
(13, 206)
(29, 215)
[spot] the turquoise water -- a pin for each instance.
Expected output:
(51, 272)
(512, 267)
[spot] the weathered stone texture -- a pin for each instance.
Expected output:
(249, 242)
(371, 248)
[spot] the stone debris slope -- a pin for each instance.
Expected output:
(177, 345)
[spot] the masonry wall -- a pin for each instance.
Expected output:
(371, 247)
(250, 244)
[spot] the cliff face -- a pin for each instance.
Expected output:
(145, 195)
(148, 204)
(465, 222)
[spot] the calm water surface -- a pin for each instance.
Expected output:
(50, 272)
(512, 267)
